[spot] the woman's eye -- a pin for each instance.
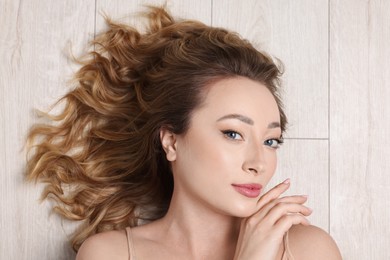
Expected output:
(232, 135)
(274, 143)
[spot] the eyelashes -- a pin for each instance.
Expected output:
(231, 134)
(274, 143)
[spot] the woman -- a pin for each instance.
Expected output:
(174, 133)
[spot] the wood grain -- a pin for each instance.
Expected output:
(33, 68)
(359, 127)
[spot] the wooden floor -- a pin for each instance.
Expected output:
(336, 90)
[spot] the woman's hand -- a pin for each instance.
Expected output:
(262, 233)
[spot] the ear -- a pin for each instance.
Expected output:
(168, 142)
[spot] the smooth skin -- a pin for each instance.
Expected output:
(232, 139)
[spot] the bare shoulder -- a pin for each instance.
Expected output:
(106, 245)
(311, 242)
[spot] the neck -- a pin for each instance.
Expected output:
(198, 230)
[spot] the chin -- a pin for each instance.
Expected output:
(244, 210)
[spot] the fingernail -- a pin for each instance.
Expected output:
(305, 196)
(287, 181)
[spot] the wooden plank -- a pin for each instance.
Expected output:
(359, 127)
(35, 36)
(297, 33)
(305, 162)
(126, 11)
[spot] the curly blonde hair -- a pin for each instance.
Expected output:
(101, 157)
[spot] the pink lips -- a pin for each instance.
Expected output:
(251, 190)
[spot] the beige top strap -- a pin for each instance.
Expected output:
(130, 244)
(286, 253)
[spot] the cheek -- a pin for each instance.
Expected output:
(209, 156)
(214, 155)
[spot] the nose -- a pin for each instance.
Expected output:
(254, 161)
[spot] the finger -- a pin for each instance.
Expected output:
(274, 193)
(287, 221)
(285, 209)
(298, 199)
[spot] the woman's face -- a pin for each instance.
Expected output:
(228, 154)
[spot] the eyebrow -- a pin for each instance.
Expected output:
(247, 120)
(274, 125)
(242, 118)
